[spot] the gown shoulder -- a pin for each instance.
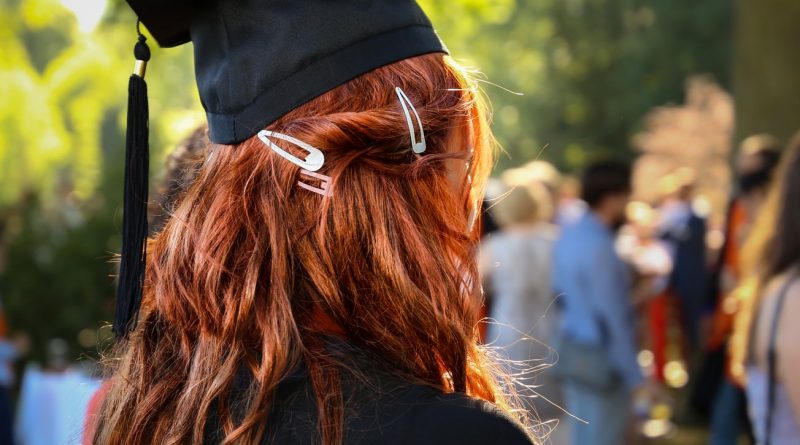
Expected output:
(456, 418)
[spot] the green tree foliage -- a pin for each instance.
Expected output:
(62, 105)
(589, 70)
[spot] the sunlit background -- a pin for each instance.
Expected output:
(672, 83)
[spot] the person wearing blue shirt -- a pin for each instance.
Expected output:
(594, 286)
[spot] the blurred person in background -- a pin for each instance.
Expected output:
(8, 354)
(716, 388)
(570, 207)
(515, 268)
(53, 399)
(640, 246)
(545, 175)
(765, 341)
(684, 231)
(597, 339)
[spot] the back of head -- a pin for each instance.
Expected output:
(249, 264)
(544, 172)
(521, 205)
(604, 179)
(758, 158)
(759, 144)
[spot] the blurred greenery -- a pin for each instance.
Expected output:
(62, 111)
(587, 72)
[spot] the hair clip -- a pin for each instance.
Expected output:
(325, 185)
(417, 147)
(312, 162)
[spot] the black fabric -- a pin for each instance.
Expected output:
(256, 60)
(134, 216)
(167, 20)
(380, 408)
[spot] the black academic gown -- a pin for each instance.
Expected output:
(382, 409)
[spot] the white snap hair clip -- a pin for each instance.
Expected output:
(312, 162)
(416, 147)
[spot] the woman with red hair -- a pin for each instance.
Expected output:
(317, 282)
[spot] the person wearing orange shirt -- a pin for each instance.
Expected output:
(758, 158)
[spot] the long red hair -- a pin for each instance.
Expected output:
(250, 262)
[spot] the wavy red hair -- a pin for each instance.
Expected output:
(249, 263)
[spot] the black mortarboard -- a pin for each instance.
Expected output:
(255, 60)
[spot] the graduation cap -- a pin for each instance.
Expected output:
(255, 60)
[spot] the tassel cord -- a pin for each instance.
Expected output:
(135, 196)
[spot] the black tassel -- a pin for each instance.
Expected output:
(134, 217)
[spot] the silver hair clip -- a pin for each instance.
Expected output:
(308, 166)
(417, 147)
(312, 162)
(325, 183)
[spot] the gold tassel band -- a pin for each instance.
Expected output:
(139, 68)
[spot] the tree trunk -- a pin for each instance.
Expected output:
(766, 67)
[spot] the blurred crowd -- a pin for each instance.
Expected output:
(622, 317)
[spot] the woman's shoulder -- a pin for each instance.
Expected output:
(788, 329)
(786, 287)
(460, 419)
(382, 407)
(388, 409)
